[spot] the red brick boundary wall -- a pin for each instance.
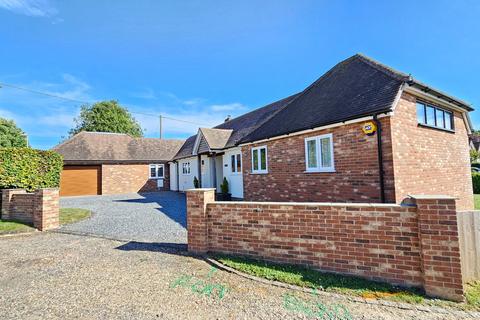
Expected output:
(414, 245)
(39, 208)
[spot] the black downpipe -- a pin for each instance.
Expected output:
(380, 158)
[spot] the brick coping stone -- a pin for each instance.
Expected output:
(393, 304)
(316, 204)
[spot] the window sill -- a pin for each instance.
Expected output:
(319, 171)
(436, 128)
(260, 172)
(156, 178)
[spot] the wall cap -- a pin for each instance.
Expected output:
(325, 204)
(200, 189)
(431, 197)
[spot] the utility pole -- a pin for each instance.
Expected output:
(160, 118)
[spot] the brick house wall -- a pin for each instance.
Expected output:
(414, 245)
(430, 161)
(131, 178)
(416, 160)
(356, 176)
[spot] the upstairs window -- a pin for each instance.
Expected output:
(186, 168)
(157, 171)
(319, 153)
(259, 160)
(236, 163)
(436, 117)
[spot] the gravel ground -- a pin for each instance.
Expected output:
(63, 276)
(149, 217)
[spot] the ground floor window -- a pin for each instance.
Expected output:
(157, 171)
(319, 153)
(186, 168)
(259, 160)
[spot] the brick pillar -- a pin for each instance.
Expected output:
(46, 209)
(440, 249)
(197, 200)
(7, 195)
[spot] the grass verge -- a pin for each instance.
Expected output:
(355, 286)
(476, 198)
(71, 215)
(14, 227)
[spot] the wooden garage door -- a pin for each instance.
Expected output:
(80, 180)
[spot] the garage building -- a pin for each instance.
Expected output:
(111, 163)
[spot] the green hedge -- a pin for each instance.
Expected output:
(29, 169)
(476, 182)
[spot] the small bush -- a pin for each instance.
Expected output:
(196, 183)
(29, 169)
(224, 186)
(476, 182)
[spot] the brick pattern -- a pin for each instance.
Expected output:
(47, 210)
(375, 241)
(130, 178)
(437, 220)
(356, 164)
(17, 205)
(430, 161)
(197, 200)
(40, 208)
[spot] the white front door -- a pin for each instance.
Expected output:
(232, 170)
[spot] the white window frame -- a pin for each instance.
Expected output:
(233, 170)
(186, 168)
(156, 166)
(319, 167)
(259, 170)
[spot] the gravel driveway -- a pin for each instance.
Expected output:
(148, 217)
(62, 276)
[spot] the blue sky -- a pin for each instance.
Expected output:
(202, 60)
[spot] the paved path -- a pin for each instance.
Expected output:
(149, 217)
(62, 276)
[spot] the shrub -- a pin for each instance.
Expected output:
(29, 169)
(196, 183)
(476, 182)
(224, 186)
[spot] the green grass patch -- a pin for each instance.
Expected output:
(472, 294)
(71, 215)
(476, 197)
(349, 285)
(14, 227)
(329, 282)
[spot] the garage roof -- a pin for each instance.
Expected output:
(103, 147)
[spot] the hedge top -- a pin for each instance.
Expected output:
(29, 169)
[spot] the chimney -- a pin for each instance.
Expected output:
(228, 118)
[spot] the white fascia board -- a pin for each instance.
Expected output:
(442, 103)
(197, 142)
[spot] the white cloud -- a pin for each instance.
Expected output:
(47, 118)
(147, 94)
(228, 107)
(33, 8)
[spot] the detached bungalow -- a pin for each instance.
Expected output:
(362, 132)
(112, 163)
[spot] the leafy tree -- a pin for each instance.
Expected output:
(106, 116)
(11, 135)
(474, 156)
